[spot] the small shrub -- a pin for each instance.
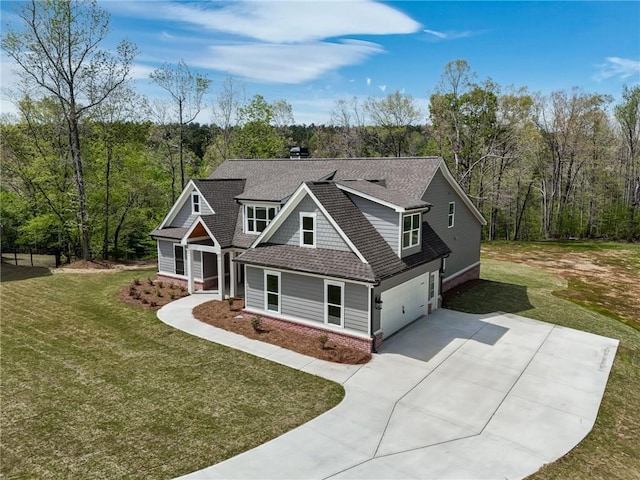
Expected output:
(153, 303)
(136, 281)
(172, 286)
(150, 281)
(230, 302)
(145, 301)
(256, 323)
(183, 288)
(172, 295)
(137, 296)
(146, 291)
(160, 283)
(324, 338)
(158, 293)
(132, 290)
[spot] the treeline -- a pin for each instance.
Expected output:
(90, 166)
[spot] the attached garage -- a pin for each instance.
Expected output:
(405, 303)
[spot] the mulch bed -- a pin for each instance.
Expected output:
(150, 293)
(221, 315)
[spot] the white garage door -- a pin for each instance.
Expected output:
(403, 304)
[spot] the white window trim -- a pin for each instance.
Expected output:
(302, 230)
(266, 293)
(254, 206)
(451, 216)
(184, 260)
(195, 195)
(410, 231)
(326, 302)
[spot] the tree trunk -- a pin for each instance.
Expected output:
(74, 146)
(107, 179)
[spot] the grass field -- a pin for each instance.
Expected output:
(93, 388)
(612, 449)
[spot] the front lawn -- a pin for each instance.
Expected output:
(94, 388)
(612, 449)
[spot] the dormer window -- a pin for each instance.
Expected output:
(257, 217)
(307, 229)
(410, 230)
(195, 203)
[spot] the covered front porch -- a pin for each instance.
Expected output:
(210, 268)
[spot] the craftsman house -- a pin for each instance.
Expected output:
(357, 248)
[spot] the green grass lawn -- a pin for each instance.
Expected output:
(612, 449)
(93, 388)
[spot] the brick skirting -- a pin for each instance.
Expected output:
(470, 274)
(197, 285)
(362, 344)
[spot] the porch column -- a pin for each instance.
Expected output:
(232, 274)
(190, 286)
(221, 275)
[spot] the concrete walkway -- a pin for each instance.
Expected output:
(452, 396)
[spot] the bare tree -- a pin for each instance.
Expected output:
(226, 116)
(394, 115)
(58, 52)
(187, 90)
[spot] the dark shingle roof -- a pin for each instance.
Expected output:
(393, 197)
(357, 228)
(173, 233)
(220, 195)
(382, 261)
(334, 263)
(275, 180)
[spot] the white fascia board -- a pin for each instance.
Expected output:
(197, 221)
(335, 225)
(281, 216)
(184, 196)
(371, 198)
(463, 196)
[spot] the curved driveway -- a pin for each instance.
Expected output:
(453, 395)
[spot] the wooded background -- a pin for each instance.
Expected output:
(91, 167)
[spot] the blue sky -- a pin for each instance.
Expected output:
(312, 52)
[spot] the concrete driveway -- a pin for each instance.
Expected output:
(452, 396)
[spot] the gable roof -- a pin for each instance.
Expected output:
(275, 180)
(220, 196)
(372, 258)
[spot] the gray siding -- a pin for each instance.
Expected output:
(464, 237)
(302, 297)
(166, 262)
(326, 236)
(196, 264)
(254, 288)
(184, 217)
(384, 219)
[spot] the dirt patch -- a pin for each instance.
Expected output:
(221, 315)
(107, 266)
(150, 293)
(605, 279)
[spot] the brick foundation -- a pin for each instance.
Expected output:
(362, 344)
(197, 285)
(470, 274)
(377, 341)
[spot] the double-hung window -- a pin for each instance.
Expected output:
(178, 253)
(410, 230)
(334, 303)
(452, 213)
(257, 217)
(272, 291)
(307, 229)
(195, 203)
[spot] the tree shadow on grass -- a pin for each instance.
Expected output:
(486, 296)
(13, 273)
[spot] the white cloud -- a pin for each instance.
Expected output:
(382, 87)
(451, 34)
(276, 63)
(368, 82)
(618, 67)
(284, 21)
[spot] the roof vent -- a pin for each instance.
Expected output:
(298, 152)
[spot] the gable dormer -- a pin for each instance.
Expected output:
(397, 217)
(190, 204)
